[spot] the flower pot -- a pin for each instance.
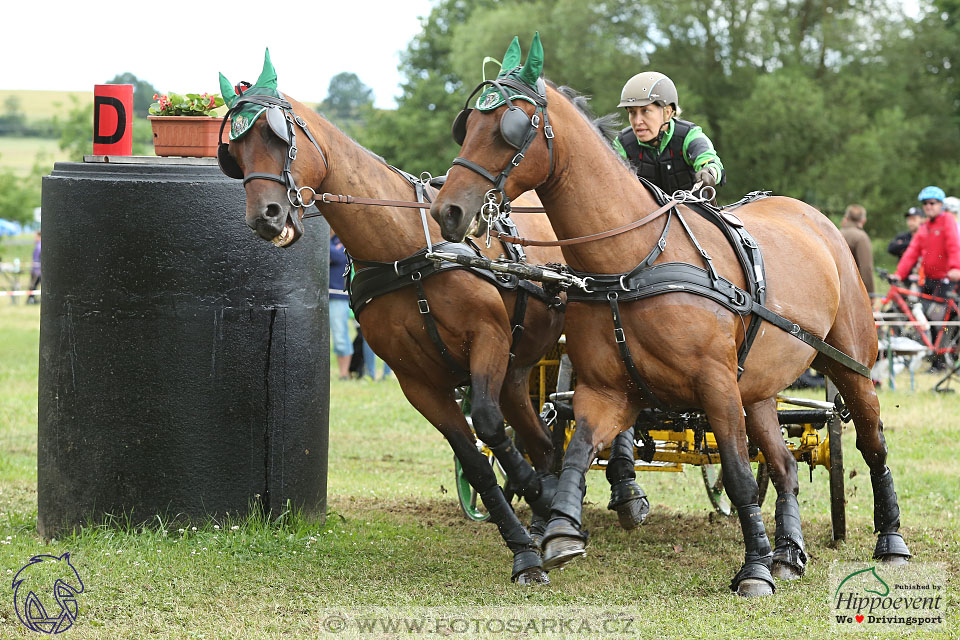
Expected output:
(194, 136)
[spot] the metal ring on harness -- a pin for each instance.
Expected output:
(490, 210)
(303, 203)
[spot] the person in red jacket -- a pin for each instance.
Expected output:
(937, 244)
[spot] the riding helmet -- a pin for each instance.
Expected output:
(647, 87)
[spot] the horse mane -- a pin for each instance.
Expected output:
(606, 126)
(346, 135)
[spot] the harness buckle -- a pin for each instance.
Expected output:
(535, 121)
(623, 285)
(548, 131)
(583, 285)
(517, 158)
(618, 335)
(299, 121)
(424, 306)
(292, 152)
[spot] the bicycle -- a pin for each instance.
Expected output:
(911, 314)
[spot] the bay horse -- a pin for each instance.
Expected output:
(684, 346)
(474, 320)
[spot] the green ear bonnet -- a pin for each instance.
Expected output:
(243, 118)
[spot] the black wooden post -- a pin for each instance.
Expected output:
(184, 362)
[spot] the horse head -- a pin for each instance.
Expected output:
(506, 145)
(264, 152)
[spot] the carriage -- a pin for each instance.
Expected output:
(669, 442)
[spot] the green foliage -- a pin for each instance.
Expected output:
(346, 96)
(143, 92)
(831, 102)
(188, 104)
(20, 195)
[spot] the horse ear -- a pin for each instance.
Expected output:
(511, 58)
(533, 67)
(268, 77)
(227, 91)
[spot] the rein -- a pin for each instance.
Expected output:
(332, 198)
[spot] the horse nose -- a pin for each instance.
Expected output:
(451, 219)
(273, 211)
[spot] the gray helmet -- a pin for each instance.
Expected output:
(647, 87)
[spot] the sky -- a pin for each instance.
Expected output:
(181, 46)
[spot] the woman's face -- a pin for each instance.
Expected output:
(646, 121)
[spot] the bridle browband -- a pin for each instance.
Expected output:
(281, 118)
(514, 123)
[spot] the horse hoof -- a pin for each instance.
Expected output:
(632, 513)
(537, 539)
(751, 588)
(783, 571)
(894, 561)
(532, 576)
(560, 550)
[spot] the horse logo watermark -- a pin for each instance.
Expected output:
(887, 598)
(45, 594)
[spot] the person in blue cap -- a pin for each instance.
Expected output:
(937, 244)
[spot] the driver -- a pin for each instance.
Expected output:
(670, 152)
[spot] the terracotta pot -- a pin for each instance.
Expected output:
(194, 136)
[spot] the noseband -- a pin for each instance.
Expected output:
(281, 119)
(516, 128)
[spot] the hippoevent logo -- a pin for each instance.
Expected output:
(45, 594)
(884, 598)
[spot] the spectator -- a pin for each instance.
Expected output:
(900, 243)
(937, 244)
(339, 307)
(370, 362)
(951, 204)
(34, 272)
(852, 230)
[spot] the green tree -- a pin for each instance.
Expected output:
(346, 96)
(20, 195)
(12, 121)
(143, 92)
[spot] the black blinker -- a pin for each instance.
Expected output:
(459, 129)
(227, 163)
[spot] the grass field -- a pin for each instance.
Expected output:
(41, 105)
(20, 154)
(394, 538)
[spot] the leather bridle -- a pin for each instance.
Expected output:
(283, 122)
(517, 128)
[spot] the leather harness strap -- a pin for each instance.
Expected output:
(582, 239)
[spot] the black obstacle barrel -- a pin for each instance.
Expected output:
(184, 362)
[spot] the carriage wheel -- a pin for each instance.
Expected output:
(838, 504)
(470, 502)
(713, 481)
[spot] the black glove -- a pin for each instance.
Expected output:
(706, 177)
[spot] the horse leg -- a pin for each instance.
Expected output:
(486, 386)
(789, 555)
(599, 419)
(721, 402)
(626, 496)
(860, 397)
(535, 436)
(441, 409)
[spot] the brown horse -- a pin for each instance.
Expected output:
(684, 345)
(471, 316)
